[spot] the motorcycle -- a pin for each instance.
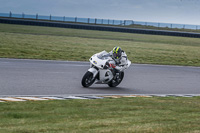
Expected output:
(101, 72)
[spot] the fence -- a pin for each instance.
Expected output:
(97, 27)
(101, 21)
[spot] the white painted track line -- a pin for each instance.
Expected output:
(53, 98)
(11, 99)
(31, 98)
(74, 97)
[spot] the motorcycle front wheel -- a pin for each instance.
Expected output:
(87, 79)
(116, 82)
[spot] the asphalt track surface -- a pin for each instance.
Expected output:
(39, 77)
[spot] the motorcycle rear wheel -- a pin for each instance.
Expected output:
(115, 82)
(87, 79)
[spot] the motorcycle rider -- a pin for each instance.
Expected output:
(120, 58)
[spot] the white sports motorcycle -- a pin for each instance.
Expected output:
(100, 71)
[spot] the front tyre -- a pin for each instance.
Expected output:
(87, 79)
(117, 81)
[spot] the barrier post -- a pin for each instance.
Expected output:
(75, 19)
(95, 21)
(22, 15)
(10, 15)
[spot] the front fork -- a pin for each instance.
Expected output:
(94, 71)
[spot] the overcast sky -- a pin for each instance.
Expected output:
(167, 11)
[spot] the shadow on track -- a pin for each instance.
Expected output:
(110, 89)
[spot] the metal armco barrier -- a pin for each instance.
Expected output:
(97, 27)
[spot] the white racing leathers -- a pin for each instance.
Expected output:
(122, 62)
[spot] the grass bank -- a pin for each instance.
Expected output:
(170, 114)
(18, 41)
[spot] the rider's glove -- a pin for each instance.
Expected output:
(112, 65)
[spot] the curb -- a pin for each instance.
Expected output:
(42, 98)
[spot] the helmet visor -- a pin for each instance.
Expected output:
(115, 55)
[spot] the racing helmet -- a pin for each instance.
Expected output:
(117, 52)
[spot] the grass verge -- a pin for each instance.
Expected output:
(170, 114)
(18, 41)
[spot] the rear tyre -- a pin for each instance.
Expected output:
(87, 79)
(117, 81)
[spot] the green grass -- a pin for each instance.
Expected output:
(155, 115)
(32, 42)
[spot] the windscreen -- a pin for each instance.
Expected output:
(103, 55)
